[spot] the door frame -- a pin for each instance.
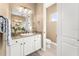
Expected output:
(59, 27)
(59, 30)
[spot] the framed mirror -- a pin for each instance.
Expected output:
(21, 19)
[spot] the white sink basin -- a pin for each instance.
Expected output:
(27, 34)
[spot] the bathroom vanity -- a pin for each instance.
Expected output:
(24, 45)
(24, 40)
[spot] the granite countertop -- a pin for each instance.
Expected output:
(24, 35)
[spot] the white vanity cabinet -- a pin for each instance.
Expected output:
(26, 45)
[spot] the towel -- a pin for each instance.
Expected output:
(5, 28)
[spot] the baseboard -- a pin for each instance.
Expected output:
(43, 49)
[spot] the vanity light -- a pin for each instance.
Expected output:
(21, 9)
(25, 10)
(29, 12)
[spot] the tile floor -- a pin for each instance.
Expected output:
(49, 52)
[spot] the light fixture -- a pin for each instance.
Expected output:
(29, 12)
(21, 9)
(24, 11)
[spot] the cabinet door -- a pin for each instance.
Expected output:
(37, 42)
(69, 50)
(15, 50)
(28, 45)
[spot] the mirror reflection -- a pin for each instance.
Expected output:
(21, 20)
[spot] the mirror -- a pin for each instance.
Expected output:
(21, 19)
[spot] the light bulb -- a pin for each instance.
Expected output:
(21, 9)
(29, 12)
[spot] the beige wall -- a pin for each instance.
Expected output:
(39, 17)
(51, 26)
(4, 11)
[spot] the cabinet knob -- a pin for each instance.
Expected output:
(34, 40)
(21, 43)
(16, 41)
(24, 43)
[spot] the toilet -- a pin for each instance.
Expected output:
(48, 43)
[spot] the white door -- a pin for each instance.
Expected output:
(70, 28)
